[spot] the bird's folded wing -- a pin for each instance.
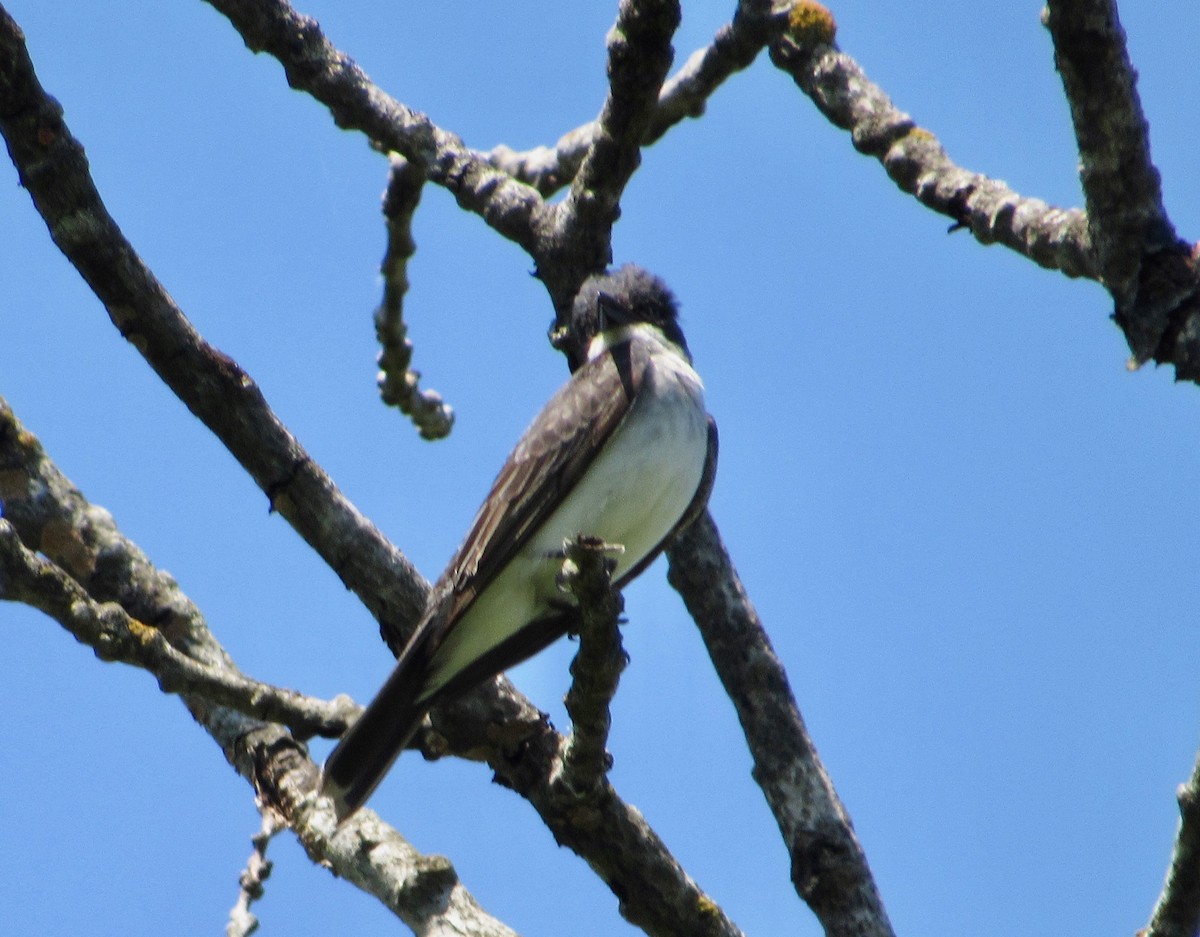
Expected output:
(549, 460)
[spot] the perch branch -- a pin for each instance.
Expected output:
(596, 669)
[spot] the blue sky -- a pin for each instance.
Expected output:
(968, 528)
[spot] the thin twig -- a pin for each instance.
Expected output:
(1177, 912)
(829, 868)
(252, 881)
(398, 383)
(914, 159)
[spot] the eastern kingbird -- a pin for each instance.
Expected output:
(624, 451)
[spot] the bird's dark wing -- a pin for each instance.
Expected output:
(555, 451)
(549, 460)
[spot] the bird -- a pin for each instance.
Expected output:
(624, 451)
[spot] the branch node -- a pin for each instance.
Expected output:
(596, 670)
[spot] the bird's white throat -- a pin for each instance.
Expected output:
(609, 338)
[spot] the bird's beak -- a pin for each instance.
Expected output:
(608, 310)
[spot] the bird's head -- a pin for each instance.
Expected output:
(609, 302)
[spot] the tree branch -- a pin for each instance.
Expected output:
(655, 892)
(1125, 210)
(398, 388)
(115, 636)
(734, 47)
(829, 868)
(47, 510)
(53, 168)
(639, 56)
(314, 65)
(1177, 913)
(914, 159)
(1151, 273)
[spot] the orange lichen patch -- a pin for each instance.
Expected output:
(810, 23)
(143, 633)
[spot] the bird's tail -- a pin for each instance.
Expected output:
(365, 753)
(369, 748)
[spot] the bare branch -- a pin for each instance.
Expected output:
(639, 56)
(46, 509)
(546, 168)
(51, 516)
(1124, 199)
(1177, 913)
(495, 723)
(423, 891)
(397, 382)
(53, 168)
(734, 47)
(914, 159)
(1151, 273)
(314, 65)
(115, 636)
(596, 669)
(829, 868)
(656, 893)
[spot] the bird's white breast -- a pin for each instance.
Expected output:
(648, 472)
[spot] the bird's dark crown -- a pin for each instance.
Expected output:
(626, 296)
